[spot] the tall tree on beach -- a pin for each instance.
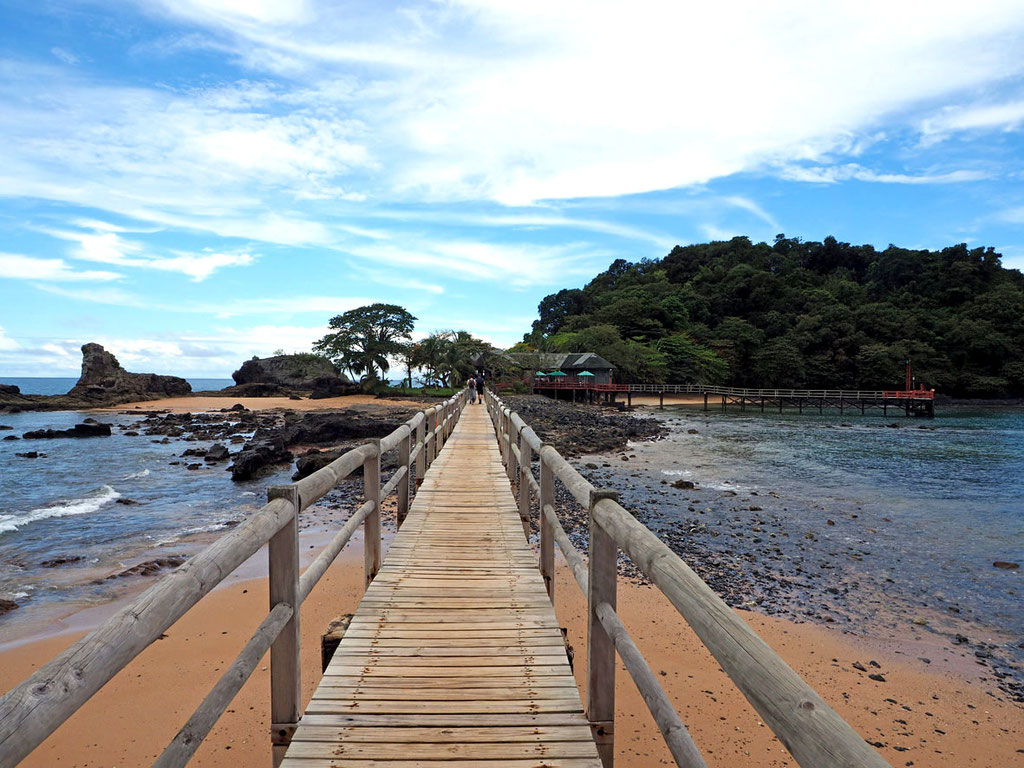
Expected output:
(364, 338)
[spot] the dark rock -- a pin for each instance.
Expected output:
(1005, 565)
(256, 389)
(217, 452)
(31, 455)
(94, 429)
(56, 562)
(193, 467)
(263, 451)
(877, 677)
(103, 379)
(294, 397)
(131, 433)
(692, 432)
(332, 386)
(126, 502)
(4, 427)
(312, 461)
(861, 667)
(9, 389)
(293, 371)
(754, 508)
(12, 437)
(6, 606)
(683, 484)
(150, 567)
(199, 452)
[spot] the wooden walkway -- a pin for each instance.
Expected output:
(454, 656)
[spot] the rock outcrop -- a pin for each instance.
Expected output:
(300, 372)
(103, 383)
(104, 379)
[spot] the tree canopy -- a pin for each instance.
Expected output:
(365, 337)
(800, 314)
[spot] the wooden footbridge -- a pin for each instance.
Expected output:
(454, 657)
(910, 402)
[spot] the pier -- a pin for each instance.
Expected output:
(454, 656)
(915, 402)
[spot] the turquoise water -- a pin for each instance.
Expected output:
(54, 385)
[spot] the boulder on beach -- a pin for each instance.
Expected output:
(6, 606)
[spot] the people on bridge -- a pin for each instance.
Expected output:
(471, 386)
(480, 385)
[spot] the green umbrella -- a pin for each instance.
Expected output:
(585, 373)
(541, 373)
(557, 373)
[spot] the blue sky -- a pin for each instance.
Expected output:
(192, 183)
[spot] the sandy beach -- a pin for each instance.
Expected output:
(200, 404)
(937, 714)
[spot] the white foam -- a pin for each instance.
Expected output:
(138, 475)
(61, 509)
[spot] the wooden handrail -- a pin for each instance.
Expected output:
(39, 705)
(811, 730)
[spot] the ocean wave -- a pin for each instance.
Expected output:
(84, 506)
(138, 475)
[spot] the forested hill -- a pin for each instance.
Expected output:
(801, 314)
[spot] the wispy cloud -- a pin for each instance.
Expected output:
(1004, 116)
(838, 173)
(64, 55)
(7, 343)
(18, 267)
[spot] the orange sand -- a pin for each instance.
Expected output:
(199, 404)
(130, 721)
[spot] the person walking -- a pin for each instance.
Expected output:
(480, 386)
(471, 386)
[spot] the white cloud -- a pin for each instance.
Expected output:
(516, 266)
(6, 342)
(834, 174)
(1007, 116)
(18, 267)
(64, 55)
(107, 247)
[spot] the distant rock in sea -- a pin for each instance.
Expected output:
(283, 375)
(103, 383)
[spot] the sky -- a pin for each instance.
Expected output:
(193, 183)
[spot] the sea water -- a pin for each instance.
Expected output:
(915, 511)
(54, 385)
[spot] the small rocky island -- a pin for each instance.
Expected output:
(103, 383)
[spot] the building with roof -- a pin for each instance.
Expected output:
(572, 364)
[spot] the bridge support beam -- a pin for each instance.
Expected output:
(547, 534)
(525, 473)
(371, 526)
(285, 660)
(602, 589)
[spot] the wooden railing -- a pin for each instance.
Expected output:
(811, 730)
(714, 389)
(38, 706)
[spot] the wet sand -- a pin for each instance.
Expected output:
(199, 404)
(934, 715)
(652, 400)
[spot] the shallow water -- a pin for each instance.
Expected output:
(67, 504)
(909, 518)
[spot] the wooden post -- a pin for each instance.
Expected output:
(602, 571)
(421, 455)
(371, 526)
(547, 535)
(525, 473)
(285, 658)
(705, 401)
(431, 426)
(404, 449)
(661, 400)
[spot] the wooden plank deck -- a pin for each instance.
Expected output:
(454, 656)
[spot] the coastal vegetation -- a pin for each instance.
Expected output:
(798, 313)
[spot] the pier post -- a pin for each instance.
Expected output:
(285, 659)
(602, 587)
(661, 400)
(421, 455)
(371, 526)
(705, 402)
(525, 473)
(404, 449)
(547, 534)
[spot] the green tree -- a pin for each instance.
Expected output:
(364, 338)
(689, 362)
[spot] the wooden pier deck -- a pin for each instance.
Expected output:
(454, 655)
